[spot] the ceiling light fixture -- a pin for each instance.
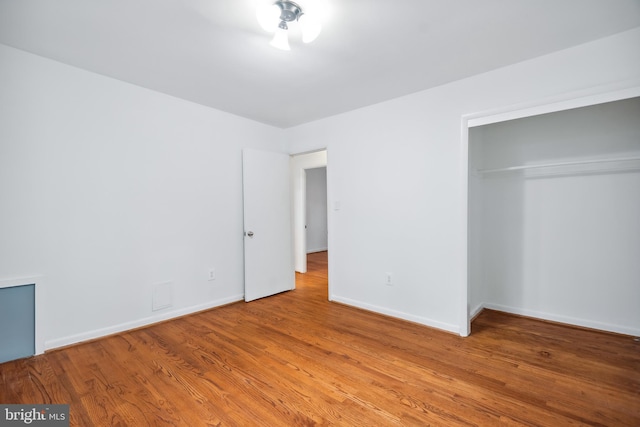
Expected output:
(274, 17)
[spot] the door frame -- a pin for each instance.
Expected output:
(300, 163)
(584, 98)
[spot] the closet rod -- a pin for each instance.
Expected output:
(546, 165)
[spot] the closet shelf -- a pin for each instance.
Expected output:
(573, 163)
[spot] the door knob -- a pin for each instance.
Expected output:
(250, 233)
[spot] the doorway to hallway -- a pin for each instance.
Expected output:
(314, 283)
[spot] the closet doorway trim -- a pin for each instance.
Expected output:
(584, 98)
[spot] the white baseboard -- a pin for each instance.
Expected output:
(102, 332)
(397, 314)
(602, 326)
(476, 311)
(322, 249)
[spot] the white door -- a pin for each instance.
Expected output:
(268, 249)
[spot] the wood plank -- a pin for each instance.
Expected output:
(297, 359)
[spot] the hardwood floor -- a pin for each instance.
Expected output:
(297, 359)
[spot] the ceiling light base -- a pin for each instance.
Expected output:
(274, 17)
(290, 10)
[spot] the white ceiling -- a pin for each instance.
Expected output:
(214, 53)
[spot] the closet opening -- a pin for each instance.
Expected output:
(553, 216)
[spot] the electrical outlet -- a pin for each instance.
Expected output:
(212, 274)
(388, 279)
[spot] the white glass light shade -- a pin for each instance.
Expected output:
(281, 39)
(309, 27)
(268, 15)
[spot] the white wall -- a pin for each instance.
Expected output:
(398, 169)
(316, 209)
(107, 189)
(561, 243)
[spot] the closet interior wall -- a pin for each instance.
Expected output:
(558, 242)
